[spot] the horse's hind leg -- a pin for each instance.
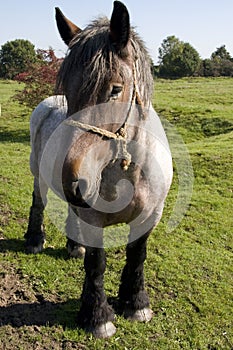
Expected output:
(134, 299)
(35, 235)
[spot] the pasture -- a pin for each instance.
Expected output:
(189, 271)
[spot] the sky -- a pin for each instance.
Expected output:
(205, 24)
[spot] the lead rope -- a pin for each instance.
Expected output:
(121, 134)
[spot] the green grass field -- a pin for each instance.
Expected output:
(189, 271)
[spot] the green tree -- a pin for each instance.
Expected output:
(220, 64)
(177, 59)
(15, 57)
(221, 53)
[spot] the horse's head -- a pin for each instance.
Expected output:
(106, 62)
(101, 61)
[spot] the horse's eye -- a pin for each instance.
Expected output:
(116, 90)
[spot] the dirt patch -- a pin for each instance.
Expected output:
(12, 289)
(20, 305)
(5, 214)
(24, 313)
(29, 338)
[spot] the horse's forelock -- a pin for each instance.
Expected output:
(92, 50)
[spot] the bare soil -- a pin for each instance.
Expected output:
(24, 313)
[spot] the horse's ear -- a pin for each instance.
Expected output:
(66, 28)
(119, 26)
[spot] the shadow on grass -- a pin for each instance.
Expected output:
(41, 313)
(19, 135)
(45, 313)
(18, 246)
(215, 126)
(31, 308)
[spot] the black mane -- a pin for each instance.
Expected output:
(93, 50)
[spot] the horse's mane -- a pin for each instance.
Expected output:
(93, 50)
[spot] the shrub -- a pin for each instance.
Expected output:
(39, 79)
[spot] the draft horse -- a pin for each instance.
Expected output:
(109, 147)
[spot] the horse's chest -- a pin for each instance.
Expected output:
(125, 192)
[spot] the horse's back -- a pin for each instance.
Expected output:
(44, 120)
(43, 111)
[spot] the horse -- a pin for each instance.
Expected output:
(102, 149)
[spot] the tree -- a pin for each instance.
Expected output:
(169, 52)
(222, 61)
(39, 79)
(220, 64)
(15, 57)
(226, 68)
(209, 68)
(177, 59)
(221, 53)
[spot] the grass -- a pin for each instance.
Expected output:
(189, 273)
(197, 107)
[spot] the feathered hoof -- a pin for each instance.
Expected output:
(30, 249)
(76, 251)
(105, 330)
(143, 315)
(34, 242)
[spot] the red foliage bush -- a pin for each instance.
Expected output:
(39, 80)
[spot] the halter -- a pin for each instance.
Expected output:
(121, 134)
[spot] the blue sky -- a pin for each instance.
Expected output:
(205, 24)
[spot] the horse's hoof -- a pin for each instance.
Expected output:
(34, 243)
(143, 315)
(76, 252)
(105, 330)
(34, 249)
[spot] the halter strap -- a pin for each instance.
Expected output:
(96, 130)
(121, 134)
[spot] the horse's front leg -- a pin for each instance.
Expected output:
(95, 314)
(73, 233)
(35, 235)
(133, 297)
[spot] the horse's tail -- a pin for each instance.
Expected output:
(42, 111)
